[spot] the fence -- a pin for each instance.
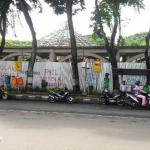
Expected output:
(56, 74)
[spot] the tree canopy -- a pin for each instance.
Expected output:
(135, 40)
(16, 43)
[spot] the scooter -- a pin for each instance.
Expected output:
(62, 95)
(132, 101)
(3, 93)
(108, 98)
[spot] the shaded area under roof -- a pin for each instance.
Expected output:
(61, 38)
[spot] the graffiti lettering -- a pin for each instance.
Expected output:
(132, 79)
(2, 75)
(5, 67)
(25, 72)
(50, 72)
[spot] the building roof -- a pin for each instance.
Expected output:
(61, 38)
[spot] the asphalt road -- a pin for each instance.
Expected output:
(79, 108)
(26, 125)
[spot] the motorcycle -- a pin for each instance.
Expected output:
(132, 101)
(3, 93)
(63, 95)
(108, 98)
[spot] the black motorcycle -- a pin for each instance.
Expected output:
(62, 95)
(132, 101)
(3, 93)
(108, 98)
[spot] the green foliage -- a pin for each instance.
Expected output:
(95, 38)
(135, 40)
(110, 12)
(94, 92)
(55, 89)
(16, 43)
(11, 89)
(59, 6)
(44, 84)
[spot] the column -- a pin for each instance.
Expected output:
(52, 56)
(124, 58)
(118, 57)
(16, 58)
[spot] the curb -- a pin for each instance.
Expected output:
(45, 98)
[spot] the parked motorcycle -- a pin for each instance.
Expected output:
(108, 98)
(63, 95)
(132, 101)
(3, 93)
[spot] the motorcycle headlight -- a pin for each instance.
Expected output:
(106, 90)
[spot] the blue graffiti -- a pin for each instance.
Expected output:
(132, 79)
(90, 78)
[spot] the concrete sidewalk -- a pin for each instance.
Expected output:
(44, 97)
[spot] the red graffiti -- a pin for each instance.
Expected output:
(52, 77)
(50, 72)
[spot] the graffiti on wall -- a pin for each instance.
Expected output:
(90, 78)
(52, 77)
(130, 79)
(6, 70)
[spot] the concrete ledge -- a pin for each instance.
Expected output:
(91, 100)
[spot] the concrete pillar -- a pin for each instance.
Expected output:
(52, 56)
(124, 58)
(118, 57)
(16, 58)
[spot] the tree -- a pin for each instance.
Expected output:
(108, 13)
(147, 59)
(66, 6)
(23, 6)
(137, 39)
(4, 8)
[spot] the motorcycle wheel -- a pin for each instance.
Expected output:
(120, 102)
(102, 101)
(52, 100)
(4, 96)
(129, 104)
(70, 99)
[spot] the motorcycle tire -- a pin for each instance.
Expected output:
(129, 104)
(120, 102)
(103, 101)
(52, 100)
(70, 99)
(4, 96)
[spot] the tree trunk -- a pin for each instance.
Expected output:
(146, 54)
(29, 82)
(113, 62)
(110, 45)
(3, 20)
(73, 47)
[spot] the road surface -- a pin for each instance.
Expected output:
(26, 125)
